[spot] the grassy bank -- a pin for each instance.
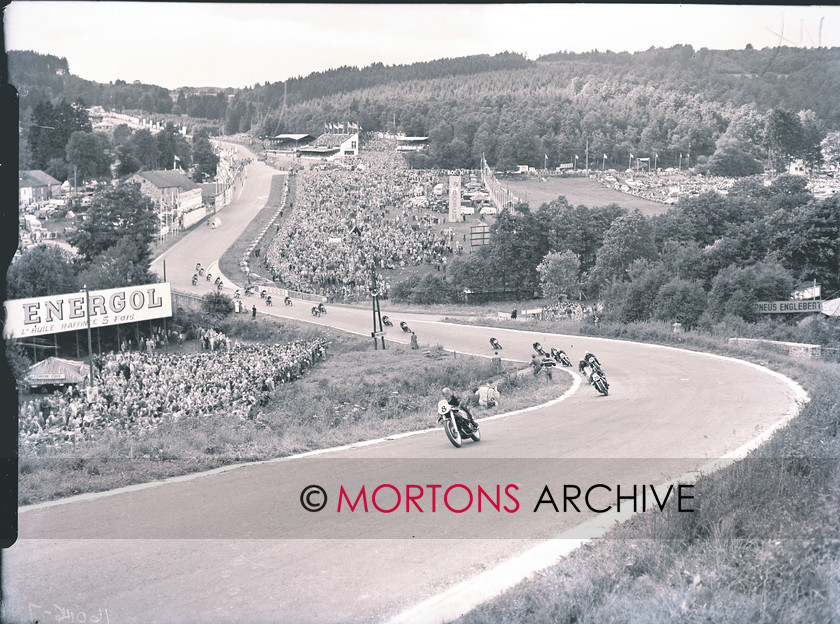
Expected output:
(356, 394)
(762, 547)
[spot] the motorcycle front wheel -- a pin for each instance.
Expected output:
(452, 432)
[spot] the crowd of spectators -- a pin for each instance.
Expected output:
(663, 186)
(135, 391)
(571, 310)
(211, 340)
(349, 222)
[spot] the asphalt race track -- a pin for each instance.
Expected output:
(237, 545)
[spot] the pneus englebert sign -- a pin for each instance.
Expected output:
(793, 306)
(69, 312)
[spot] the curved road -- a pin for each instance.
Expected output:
(236, 545)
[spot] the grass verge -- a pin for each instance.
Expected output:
(764, 545)
(357, 394)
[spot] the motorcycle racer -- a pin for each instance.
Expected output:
(456, 402)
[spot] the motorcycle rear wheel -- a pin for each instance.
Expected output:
(452, 433)
(475, 435)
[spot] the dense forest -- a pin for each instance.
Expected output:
(673, 103)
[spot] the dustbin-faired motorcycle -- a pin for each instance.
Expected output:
(456, 425)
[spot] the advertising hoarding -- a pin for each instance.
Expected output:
(60, 313)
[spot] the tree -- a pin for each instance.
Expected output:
(126, 161)
(813, 134)
(41, 271)
(117, 266)
(121, 134)
(732, 161)
(144, 148)
(205, 159)
(785, 137)
(170, 144)
(217, 306)
(735, 289)
(117, 213)
(789, 192)
(426, 289)
(51, 128)
(681, 300)
(87, 155)
(634, 300)
(560, 274)
(578, 229)
(808, 240)
(629, 238)
(473, 272)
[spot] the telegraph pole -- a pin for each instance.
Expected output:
(378, 331)
(90, 340)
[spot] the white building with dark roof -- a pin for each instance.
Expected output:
(178, 199)
(36, 186)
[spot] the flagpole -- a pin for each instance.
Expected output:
(587, 155)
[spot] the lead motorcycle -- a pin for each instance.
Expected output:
(456, 425)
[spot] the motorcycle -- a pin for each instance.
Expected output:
(194, 280)
(538, 348)
(316, 311)
(495, 344)
(322, 308)
(288, 301)
(268, 301)
(249, 290)
(263, 293)
(595, 366)
(600, 383)
(456, 425)
(561, 357)
(387, 322)
(404, 326)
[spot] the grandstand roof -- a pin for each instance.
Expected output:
(320, 150)
(417, 138)
(169, 178)
(292, 137)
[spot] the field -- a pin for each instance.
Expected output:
(590, 193)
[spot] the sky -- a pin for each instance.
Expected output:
(237, 45)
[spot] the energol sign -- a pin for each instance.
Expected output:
(61, 313)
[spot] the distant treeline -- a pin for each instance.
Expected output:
(670, 103)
